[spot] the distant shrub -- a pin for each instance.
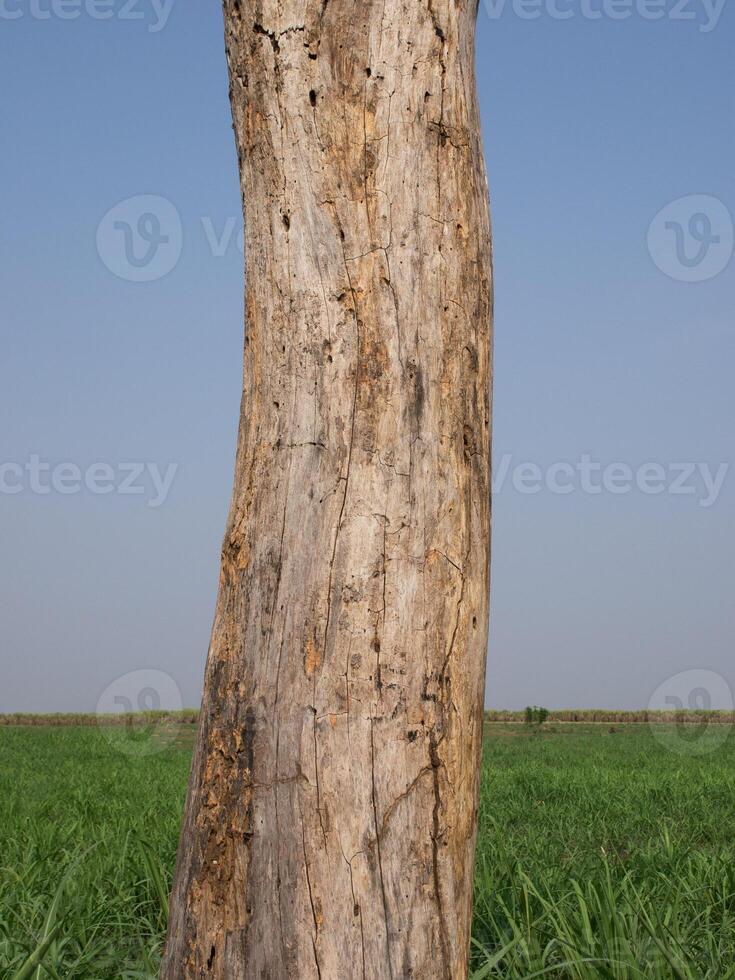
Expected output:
(536, 716)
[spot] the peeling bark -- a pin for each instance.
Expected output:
(330, 823)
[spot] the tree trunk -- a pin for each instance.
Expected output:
(330, 823)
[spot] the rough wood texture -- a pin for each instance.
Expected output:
(330, 823)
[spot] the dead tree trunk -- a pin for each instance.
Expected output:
(330, 823)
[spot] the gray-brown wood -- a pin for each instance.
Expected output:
(330, 823)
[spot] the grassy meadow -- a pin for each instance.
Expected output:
(604, 851)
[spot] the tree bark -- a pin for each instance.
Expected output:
(330, 823)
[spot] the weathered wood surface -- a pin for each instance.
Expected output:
(330, 824)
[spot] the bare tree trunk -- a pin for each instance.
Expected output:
(330, 824)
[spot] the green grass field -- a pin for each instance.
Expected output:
(601, 854)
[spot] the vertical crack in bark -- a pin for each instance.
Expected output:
(311, 902)
(356, 910)
(387, 134)
(377, 848)
(379, 642)
(435, 837)
(348, 653)
(443, 680)
(316, 777)
(441, 134)
(275, 791)
(358, 342)
(389, 283)
(365, 164)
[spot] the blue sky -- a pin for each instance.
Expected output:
(592, 126)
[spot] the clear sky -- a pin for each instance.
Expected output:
(613, 345)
